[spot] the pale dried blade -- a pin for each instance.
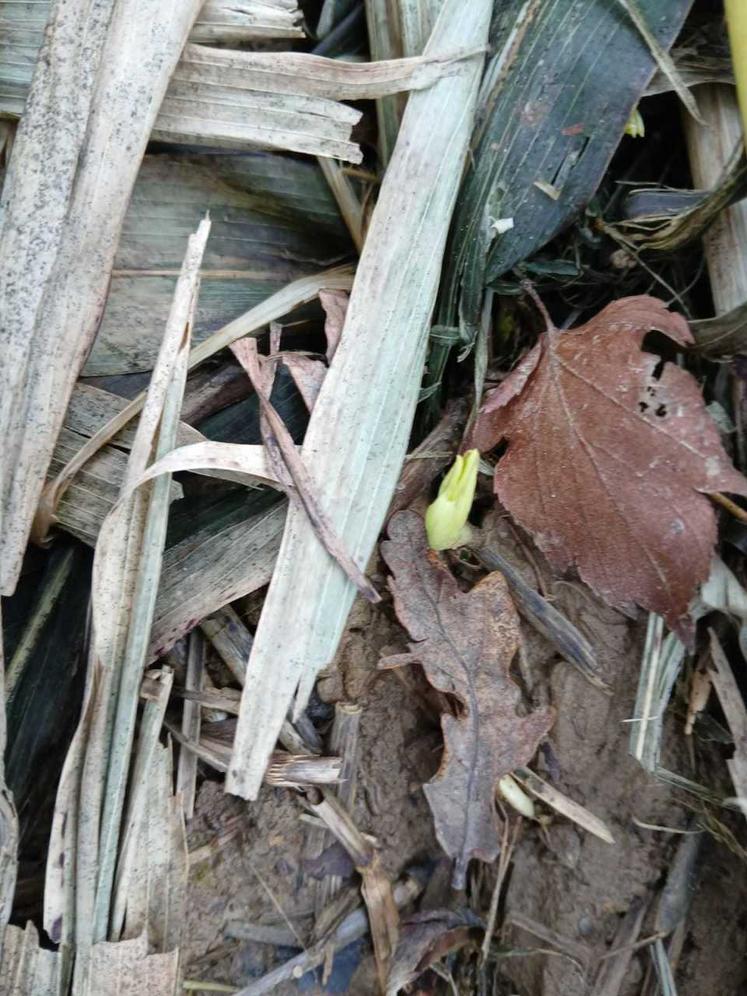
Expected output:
(92, 104)
(125, 968)
(358, 432)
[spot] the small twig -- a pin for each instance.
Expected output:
(528, 287)
(579, 954)
(197, 985)
(186, 776)
(376, 886)
(731, 506)
(276, 903)
(343, 743)
(507, 849)
(660, 828)
(634, 946)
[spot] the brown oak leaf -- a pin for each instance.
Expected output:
(610, 455)
(465, 642)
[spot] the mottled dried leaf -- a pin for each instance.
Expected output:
(465, 642)
(610, 456)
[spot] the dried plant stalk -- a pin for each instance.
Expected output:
(220, 22)
(279, 100)
(156, 691)
(358, 432)
(285, 770)
(26, 969)
(376, 886)
(347, 199)
(416, 18)
(233, 642)
(91, 108)
(295, 770)
(232, 21)
(126, 966)
(343, 742)
(353, 926)
(94, 490)
(186, 775)
(156, 896)
(252, 322)
(126, 573)
(563, 804)
(87, 822)
(230, 638)
(710, 146)
(8, 818)
(732, 703)
(385, 44)
(287, 100)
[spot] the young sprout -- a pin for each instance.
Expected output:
(515, 796)
(446, 518)
(635, 126)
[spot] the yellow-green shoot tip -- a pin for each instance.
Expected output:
(635, 126)
(446, 517)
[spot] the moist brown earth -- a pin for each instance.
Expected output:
(566, 890)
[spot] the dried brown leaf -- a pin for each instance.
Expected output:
(465, 642)
(308, 375)
(335, 304)
(290, 469)
(611, 454)
(426, 938)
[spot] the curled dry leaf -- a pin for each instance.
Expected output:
(335, 304)
(465, 642)
(289, 468)
(610, 456)
(308, 375)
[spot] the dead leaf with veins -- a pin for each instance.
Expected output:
(465, 642)
(611, 454)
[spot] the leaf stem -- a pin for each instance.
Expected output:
(731, 506)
